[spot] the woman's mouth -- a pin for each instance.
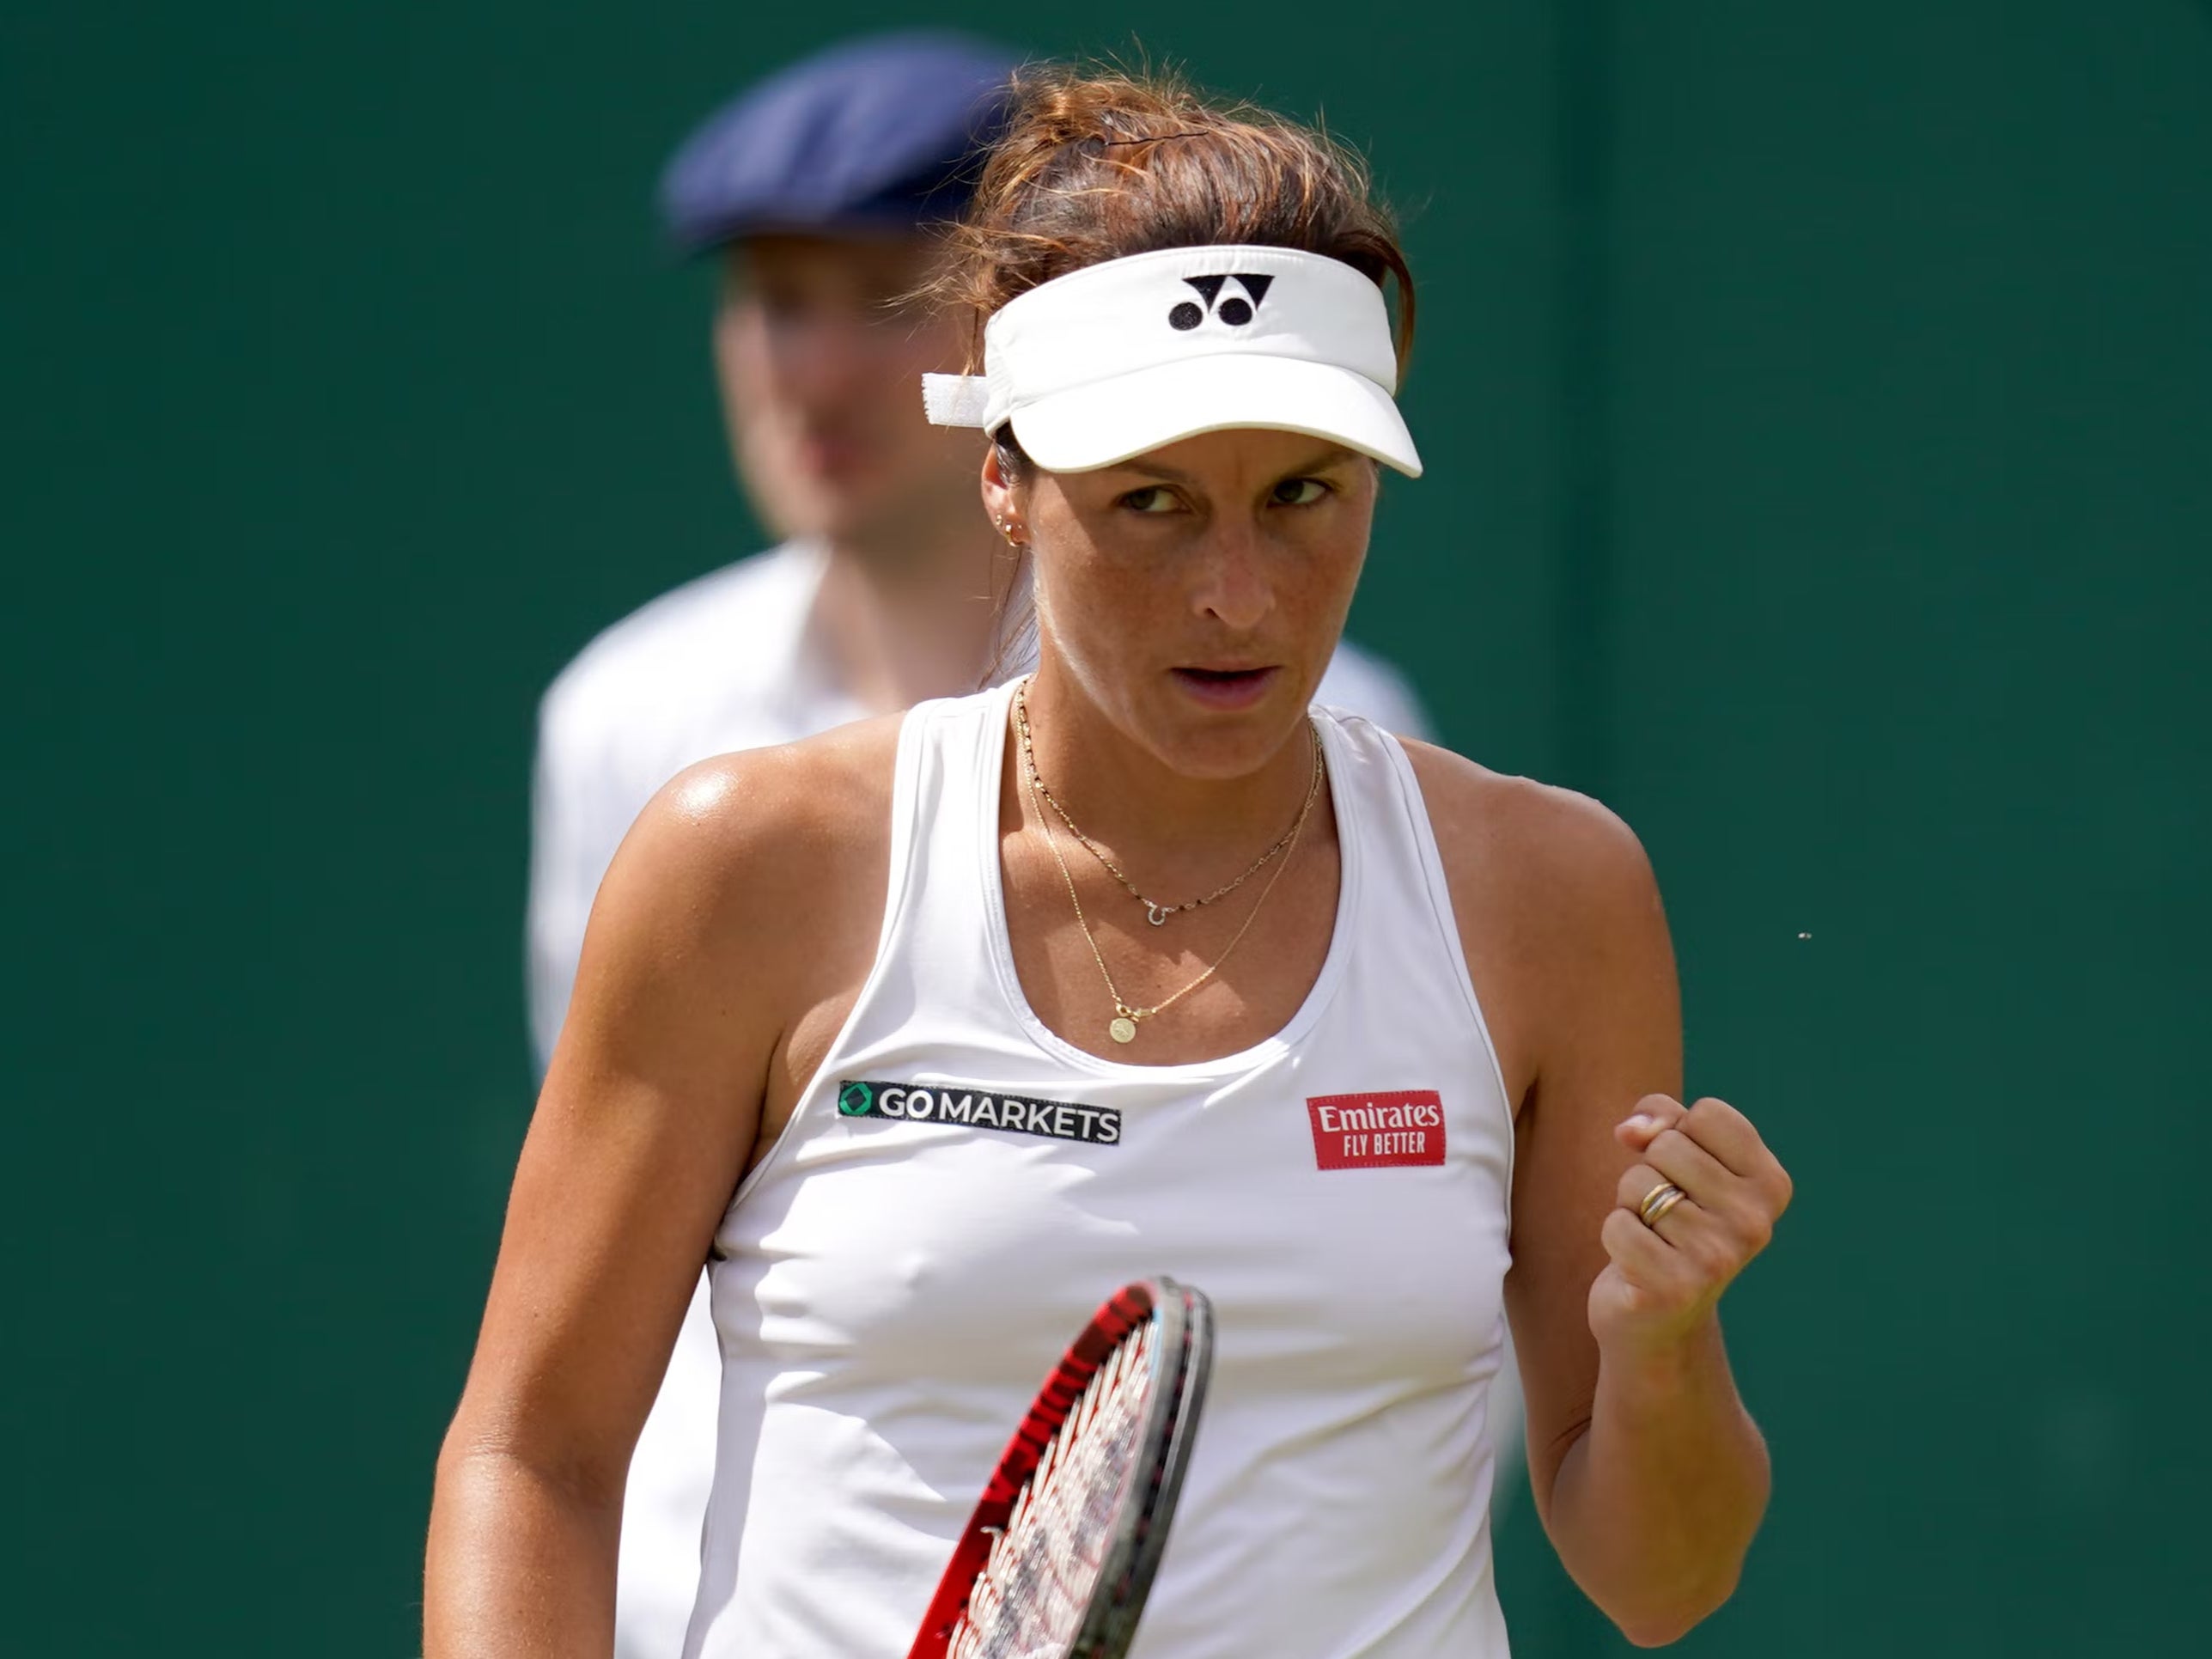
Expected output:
(1227, 689)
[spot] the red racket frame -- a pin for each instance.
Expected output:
(1185, 1359)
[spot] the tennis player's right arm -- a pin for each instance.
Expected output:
(645, 1124)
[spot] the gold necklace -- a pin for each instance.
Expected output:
(1156, 914)
(1123, 1027)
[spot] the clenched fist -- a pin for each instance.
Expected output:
(1688, 1217)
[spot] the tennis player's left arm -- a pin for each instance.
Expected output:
(1648, 1473)
(1653, 1505)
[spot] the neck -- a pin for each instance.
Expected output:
(1178, 832)
(915, 620)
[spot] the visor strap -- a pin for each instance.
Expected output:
(955, 400)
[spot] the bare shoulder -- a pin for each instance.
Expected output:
(1562, 853)
(750, 862)
(1555, 906)
(770, 813)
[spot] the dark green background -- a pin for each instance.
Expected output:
(1818, 400)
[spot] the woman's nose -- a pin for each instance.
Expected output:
(1233, 587)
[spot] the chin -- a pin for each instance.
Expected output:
(808, 502)
(1214, 731)
(879, 520)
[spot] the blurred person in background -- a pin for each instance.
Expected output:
(824, 191)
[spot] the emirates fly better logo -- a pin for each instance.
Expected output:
(1377, 1132)
(1236, 310)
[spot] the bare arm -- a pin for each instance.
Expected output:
(648, 1114)
(1649, 1475)
(1654, 1507)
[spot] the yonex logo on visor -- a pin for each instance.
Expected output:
(1271, 337)
(1234, 311)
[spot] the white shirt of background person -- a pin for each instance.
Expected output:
(877, 601)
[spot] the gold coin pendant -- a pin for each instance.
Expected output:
(1123, 1030)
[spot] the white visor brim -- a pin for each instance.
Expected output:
(1124, 357)
(1088, 427)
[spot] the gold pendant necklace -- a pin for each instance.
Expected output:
(1123, 1027)
(1154, 912)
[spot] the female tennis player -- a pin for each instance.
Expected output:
(930, 1032)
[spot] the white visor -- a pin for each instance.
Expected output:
(1119, 358)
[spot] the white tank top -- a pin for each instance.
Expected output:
(958, 1188)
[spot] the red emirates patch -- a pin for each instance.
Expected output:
(1377, 1132)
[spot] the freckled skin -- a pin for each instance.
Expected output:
(1237, 549)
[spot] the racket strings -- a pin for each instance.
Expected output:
(1030, 1598)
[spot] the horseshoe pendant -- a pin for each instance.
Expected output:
(1155, 915)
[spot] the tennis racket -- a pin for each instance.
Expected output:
(1057, 1557)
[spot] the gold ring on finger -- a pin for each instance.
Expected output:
(1658, 1201)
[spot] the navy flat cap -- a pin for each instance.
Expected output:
(879, 133)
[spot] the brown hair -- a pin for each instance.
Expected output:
(1092, 166)
(1095, 166)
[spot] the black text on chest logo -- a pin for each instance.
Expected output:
(965, 1105)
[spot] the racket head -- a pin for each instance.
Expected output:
(1170, 1326)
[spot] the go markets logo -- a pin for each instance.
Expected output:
(969, 1107)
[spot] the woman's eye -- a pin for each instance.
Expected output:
(1300, 492)
(1151, 499)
